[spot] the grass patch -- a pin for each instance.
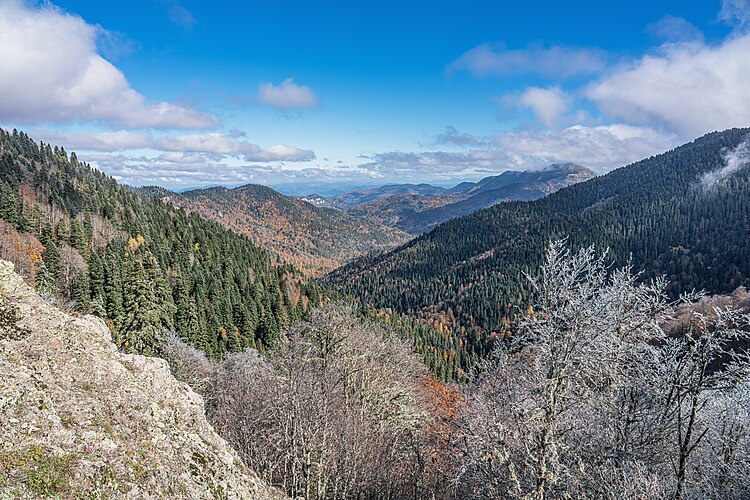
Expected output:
(42, 472)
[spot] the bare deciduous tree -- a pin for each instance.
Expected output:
(336, 411)
(592, 398)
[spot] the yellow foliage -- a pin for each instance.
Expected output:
(134, 243)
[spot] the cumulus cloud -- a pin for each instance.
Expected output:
(554, 61)
(601, 147)
(103, 141)
(223, 145)
(547, 104)
(51, 72)
(287, 95)
(691, 88)
(180, 170)
(445, 165)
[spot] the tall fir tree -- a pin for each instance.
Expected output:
(139, 328)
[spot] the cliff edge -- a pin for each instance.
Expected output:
(80, 419)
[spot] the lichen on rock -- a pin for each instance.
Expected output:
(80, 419)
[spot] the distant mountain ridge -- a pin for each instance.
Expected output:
(416, 208)
(352, 198)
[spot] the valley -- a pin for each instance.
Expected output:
(314, 239)
(374, 250)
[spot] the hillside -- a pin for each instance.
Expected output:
(314, 239)
(393, 210)
(142, 264)
(81, 420)
(418, 212)
(357, 197)
(469, 272)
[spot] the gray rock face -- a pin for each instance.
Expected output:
(80, 419)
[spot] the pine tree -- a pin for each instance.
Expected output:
(81, 293)
(44, 282)
(113, 288)
(8, 204)
(163, 301)
(78, 238)
(139, 328)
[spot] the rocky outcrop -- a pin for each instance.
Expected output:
(80, 419)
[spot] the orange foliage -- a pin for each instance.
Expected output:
(24, 250)
(444, 403)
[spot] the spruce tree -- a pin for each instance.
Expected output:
(81, 293)
(139, 328)
(8, 204)
(44, 282)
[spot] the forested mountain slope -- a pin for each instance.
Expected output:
(469, 272)
(315, 239)
(143, 264)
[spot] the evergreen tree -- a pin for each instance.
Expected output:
(8, 203)
(113, 287)
(139, 328)
(44, 282)
(81, 293)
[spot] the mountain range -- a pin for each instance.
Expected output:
(450, 291)
(661, 214)
(416, 208)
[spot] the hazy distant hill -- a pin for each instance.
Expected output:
(394, 210)
(416, 209)
(352, 198)
(316, 239)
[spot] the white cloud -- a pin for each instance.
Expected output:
(547, 104)
(223, 145)
(287, 95)
(734, 160)
(180, 170)
(51, 72)
(555, 61)
(179, 15)
(691, 88)
(214, 144)
(446, 165)
(600, 147)
(103, 141)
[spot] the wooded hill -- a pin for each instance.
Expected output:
(468, 274)
(315, 239)
(142, 263)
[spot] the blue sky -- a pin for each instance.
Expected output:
(312, 96)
